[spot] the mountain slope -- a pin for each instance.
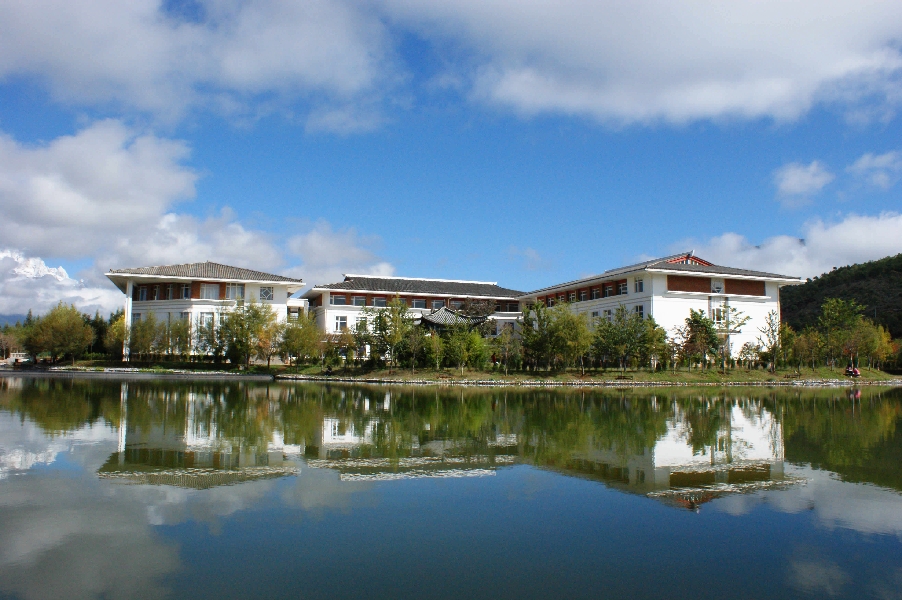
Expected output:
(877, 285)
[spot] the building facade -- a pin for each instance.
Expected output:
(200, 292)
(340, 306)
(667, 288)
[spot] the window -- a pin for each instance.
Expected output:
(622, 288)
(456, 304)
(583, 295)
(571, 297)
(418, 303)
(640, 310)
(359, 300)
(379, 302)
(608, 314)
(594, 314)
(186, 291)
(155, 293)
(437, 304)
(184, 316)
(341, 323)
(338, 300)
(209, 291)
(550, 301)
(361, 324)
(266, 293)
(608, 289)
(142, 293)
(596, 293)
(234, 291)
(205, 319)
(513, 307)
(718, 315)
(639, 285)
(136, 317)
(562, 298)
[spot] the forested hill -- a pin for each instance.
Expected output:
(875, 285)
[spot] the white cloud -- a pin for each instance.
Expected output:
(651, 60)
(855, 239)
(27, 283)
(797, 182)
(109, 194)
(137, 55)
(327, 254)
(529, 257)
(881, 170)
(67, 197)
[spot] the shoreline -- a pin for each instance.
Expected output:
(186, 375)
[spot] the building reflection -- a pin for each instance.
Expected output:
(684, 453)
(190, 450)
(720, 447)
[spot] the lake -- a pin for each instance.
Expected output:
(156, 489)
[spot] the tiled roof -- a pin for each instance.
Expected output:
(665, 264)
(205, 270)
(445, 317)
(400, 285)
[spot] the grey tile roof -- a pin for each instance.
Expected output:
(662, 263)
(445, 317)
(205, 270)
(425, 287)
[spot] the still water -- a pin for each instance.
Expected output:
(114, 489)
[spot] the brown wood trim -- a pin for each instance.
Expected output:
(685, 283)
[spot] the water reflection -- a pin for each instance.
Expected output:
(92, 471)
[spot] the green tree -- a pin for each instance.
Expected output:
(241, 328)
(268, 340)
(116, 336)
(654, 343)
(416, 342)
(300, 339)
(435, 345)
(457, 345)
(61, 332)
(836, 321)
(390, 327)
(143, 336)
(731, 322)
(507, 345)
(622, 337)
(537, 335)
(770, 343)
(701, 337)
(571, 335)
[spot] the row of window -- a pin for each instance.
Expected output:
(608, 313)
(208, 291)
(413, 303)
(606, 290)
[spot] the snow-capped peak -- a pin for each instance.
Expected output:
(33, 267)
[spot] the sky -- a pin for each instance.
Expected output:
(522, 142)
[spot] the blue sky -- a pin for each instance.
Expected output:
(524, 143)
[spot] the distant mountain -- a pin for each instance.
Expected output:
(11, 319)
(877, 285)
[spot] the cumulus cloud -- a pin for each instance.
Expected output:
(797, 182)
(111, 194)
(327, 254)
(651, 60)
(880, 170)
(67, 197)
(855, 239)
(27, 283)
(225, 54)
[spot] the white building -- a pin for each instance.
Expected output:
(667, 288)
(339, 306)
(200, 292)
